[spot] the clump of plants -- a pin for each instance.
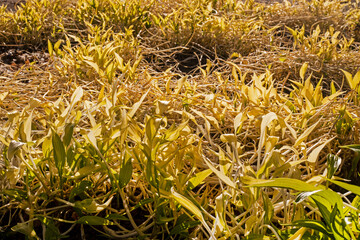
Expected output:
(180, 119)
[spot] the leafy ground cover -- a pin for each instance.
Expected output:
(180, 119)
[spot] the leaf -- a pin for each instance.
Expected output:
(303, 70)
(25, 229)
(91, 206)
(189, 205)
(69, 129)
(92, 139)
(356, 79)
(50, 48)
(76, 96)
(180, 84)
(333, 163)
(115, 216)
(238, 121)
(220, 175)
(136, 106)
(27, 128)
(313, 156)
(3, 95)
(329, 199)
(350, 187)
(198, 178)
(52, 232)
(173, 132)
(305, 134)
(290, 183)
(59, 153)
(80, 189)
(311, 224)
(93, 65)
(186, 203)
(126, 171)
(354, 147)
(151, 128)
(349, 79)
(228, 138)
(303, 195)
(94, 220)
(13, 147)
(266, 120)
(86, 171)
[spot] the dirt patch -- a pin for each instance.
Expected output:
(11, 4)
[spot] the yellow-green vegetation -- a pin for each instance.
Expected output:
(204, 119)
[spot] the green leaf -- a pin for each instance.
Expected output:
(182, 227)
(80, 189)
(91, 206)
(354, 147)
(86, 171)
(126, 171)
(69, 129)
(52, 232)
(25, 229)
(59, 153)
(294, 184)
(350, 187)
(94, 220)
(115, 216)
(333, 163)
(324, 209)
(303, 195)
(189, 205)
(311, 224)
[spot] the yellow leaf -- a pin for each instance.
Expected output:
(228, 138)
(136, 106)
(180, 84)
(356, 79)
(76, 96)
(186, 203)
(189, 205)
(92, 139)
(220, 175)
(93, 65)
(299, 234)
(3, 96)
(349, 79)
(267, 119)
(303, 70)
(305, 134)
(315, 153)
(13, 147)
(238, 121)
(27, 128)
